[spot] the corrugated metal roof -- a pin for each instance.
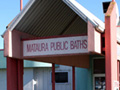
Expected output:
(53, 17)
(49, 18)
(85, 14)
(45, 18)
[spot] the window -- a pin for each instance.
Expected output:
(60, 77)
(99, 83)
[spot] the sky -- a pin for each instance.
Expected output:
(10, 8)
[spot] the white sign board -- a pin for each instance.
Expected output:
(56, 46)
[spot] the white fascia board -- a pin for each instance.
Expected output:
(20, 16)
(10, 44)
(85, 14)
(75, 9)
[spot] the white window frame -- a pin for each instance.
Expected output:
(96, 75)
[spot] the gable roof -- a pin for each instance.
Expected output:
(74, 5)
(85, 14)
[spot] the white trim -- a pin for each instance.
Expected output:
(85, 14)
(34, 83)
(20, 15)
(10, 43)
(96, 75)
(76, 10)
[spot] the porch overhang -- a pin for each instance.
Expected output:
(43, 18)
(51, 12)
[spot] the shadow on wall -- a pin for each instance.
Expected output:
(81, 78)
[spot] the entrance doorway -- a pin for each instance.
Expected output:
(99, 74)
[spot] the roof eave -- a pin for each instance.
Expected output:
(19, 16)
(82, 12)
(75, 6)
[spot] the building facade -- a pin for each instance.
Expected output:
(37, 76)
(63, 32)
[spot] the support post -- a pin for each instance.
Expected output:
(73, 77)
(14, 74)
(20, 74)
(21, 4)
(53, 76)
(111, 47)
